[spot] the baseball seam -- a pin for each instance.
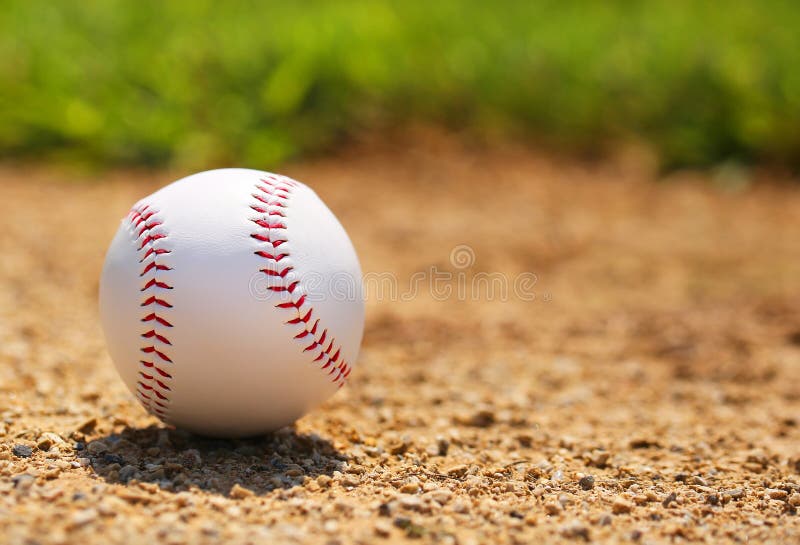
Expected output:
(272, 198)
(153, 380)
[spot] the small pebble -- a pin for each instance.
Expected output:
(480, 419)
(44, 444)
(238, 492)
(412, 503)
(399, 446)
(382, 528)
(385, 509)
(669, 499)
(735, 493)
(22, 451)
(457, 471)
(113, 459)
(599, 458)
(96, 447)
(412, 530)
(640, 499)
(642, 443)
(350, 481)
(441, 495)
(443, 446)
(191, 458)
(575, 530)
(88, 426)
(621, 506)
(777, 494)
(83, 517)
(410, 488)
(587, 482)
(109, 507)
(553, 508)
(23, 481)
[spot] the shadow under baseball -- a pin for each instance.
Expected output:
(175, 460)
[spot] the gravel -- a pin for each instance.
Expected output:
(648, 392)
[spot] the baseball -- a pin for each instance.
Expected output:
(231, 302)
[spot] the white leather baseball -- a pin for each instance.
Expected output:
(231, 302)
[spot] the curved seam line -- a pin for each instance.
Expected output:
(278, 190)
(153, 382)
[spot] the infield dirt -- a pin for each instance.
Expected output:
(639, 381)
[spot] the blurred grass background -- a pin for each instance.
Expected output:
(200, 83)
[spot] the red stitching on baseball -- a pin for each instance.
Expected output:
(155, 283)
(152, 334)
(153, 316)
(153, 265)
(267, 225)
(297, 304)
(275, 193)
(151, 365)
(266, 255)
(149, 239)
(157, 251)
(153, 300)
(299, 319)
(152, 387)
(282, 273)
(157, 352)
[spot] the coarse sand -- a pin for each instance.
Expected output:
(555, 352)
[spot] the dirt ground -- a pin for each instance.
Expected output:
(643, 386)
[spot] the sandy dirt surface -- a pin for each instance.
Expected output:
(643, 386)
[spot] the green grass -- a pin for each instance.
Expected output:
(198, 83)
